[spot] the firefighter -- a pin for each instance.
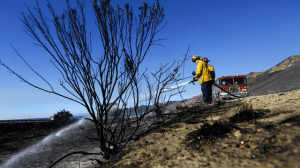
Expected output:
(206, 77)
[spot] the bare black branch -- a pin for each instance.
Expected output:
(104, 83)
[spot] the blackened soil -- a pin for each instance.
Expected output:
(208, 133)
(246, 114)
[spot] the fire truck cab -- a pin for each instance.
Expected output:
(235, 84)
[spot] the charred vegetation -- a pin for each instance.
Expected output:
(246, 113)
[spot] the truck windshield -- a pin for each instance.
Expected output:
(239, 80)
(226, 82)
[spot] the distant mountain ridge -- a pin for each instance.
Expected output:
(288, 62)
(283, 77)
(81, 114)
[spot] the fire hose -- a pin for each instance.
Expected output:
(218, 87)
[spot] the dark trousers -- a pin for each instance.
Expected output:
(206, 88)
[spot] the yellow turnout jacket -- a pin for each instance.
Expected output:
(205, 72)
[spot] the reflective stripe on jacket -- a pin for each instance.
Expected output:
(205, 72)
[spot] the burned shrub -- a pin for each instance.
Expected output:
(208, 133)
(63, 116)
(246, 113)
(217, 129)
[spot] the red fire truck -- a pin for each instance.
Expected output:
(235, 85)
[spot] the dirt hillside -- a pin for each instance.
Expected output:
(258, 131)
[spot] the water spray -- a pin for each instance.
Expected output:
(23, 157)
(175, 86)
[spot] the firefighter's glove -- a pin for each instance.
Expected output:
(194, 79)
(193, 73)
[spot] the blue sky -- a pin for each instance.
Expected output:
(238, 37)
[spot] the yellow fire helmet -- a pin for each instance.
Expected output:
(195, 57)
